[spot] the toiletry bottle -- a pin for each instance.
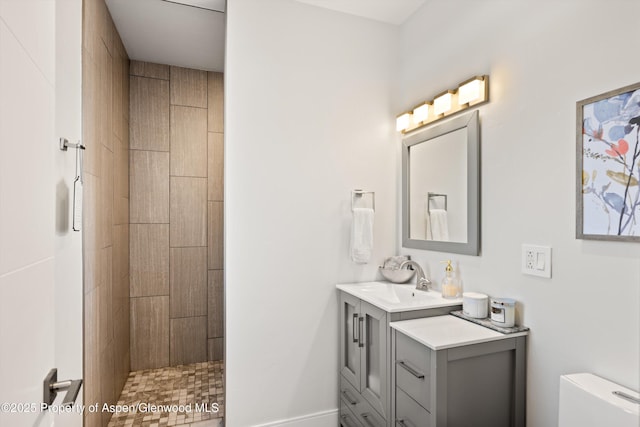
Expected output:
(450, 285)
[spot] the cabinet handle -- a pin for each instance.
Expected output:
(409, 369)
(350, 399)
(354, 327)
(366, 418)
(623, 395)
(346, 420)
(360, 326)
(401, 422)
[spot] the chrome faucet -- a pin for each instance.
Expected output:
(422, 283)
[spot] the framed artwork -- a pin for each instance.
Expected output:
(608, 166)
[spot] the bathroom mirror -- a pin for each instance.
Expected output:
(441, 186)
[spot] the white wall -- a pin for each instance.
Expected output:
(27, 79)
(40, 257)
(542, 57)
(308, 119)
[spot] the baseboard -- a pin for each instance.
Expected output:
(319, 419)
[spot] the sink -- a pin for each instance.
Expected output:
(392, 297)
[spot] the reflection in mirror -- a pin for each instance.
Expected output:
(437, 194)
(441, 187)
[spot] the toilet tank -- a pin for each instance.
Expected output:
(587, 400)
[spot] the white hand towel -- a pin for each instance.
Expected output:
(438, 225)
(362, 235)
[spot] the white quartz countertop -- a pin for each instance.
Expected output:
(392, 297)
(442, 332)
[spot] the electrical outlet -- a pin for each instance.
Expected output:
(536, 260)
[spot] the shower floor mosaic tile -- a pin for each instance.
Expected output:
(186, 395)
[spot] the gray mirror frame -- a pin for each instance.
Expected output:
(472, 123)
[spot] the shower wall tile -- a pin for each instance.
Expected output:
(105, 133)
(105, 189)
(188, 141)
(188, 282)
(188, 87)
(181, 255)
(215, 349)
(149, 259)
(149, 182)
(188, 212)
(149, 69)
(91, 163)
(117, 91)
(149, 332)
(105, 102)
(121, 169)
(215, 304)
(216, 102)
(216, 235)
(121, 251)
(216, 166)
(149, 114)
(188, 340)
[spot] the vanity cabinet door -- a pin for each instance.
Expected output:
(374, 358)
(351, 332)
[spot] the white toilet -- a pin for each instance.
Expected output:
(587, 400)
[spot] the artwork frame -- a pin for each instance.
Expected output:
(608, 166)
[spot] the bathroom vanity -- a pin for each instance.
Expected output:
(366, 313)
(451, 372)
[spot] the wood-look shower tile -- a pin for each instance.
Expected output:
(149, 260)
(215, 349)
(188, 141)
(117, 91)
(105, 188)
(188, 87)
(216, 235)
(188, 212)
(149, 69)
(121, 251)
(149, 187)
(149, 332)
(91, 157)
(120, 169)
(188, 340)
(188, 282)
(105, 100)
(215, 305)
(216, 166)
(216, 102)
(149, 114)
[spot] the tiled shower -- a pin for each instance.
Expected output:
(176, 215)
(153, 222)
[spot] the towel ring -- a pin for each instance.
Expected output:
(357, 194)
(431, 196)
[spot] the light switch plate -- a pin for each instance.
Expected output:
(536, 260)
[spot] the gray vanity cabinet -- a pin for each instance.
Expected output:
(471, 385)
(364, 338)
(366, 385)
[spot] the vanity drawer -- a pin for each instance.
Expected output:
(348, 394)
(368, 416)
(413, 364)
(363, 412)
(409, 413)
(348, 418)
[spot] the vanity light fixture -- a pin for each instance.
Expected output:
(421, 113)
(469, 93)
(442, 104)
(403, 122)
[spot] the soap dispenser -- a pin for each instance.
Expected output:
(451, 287)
